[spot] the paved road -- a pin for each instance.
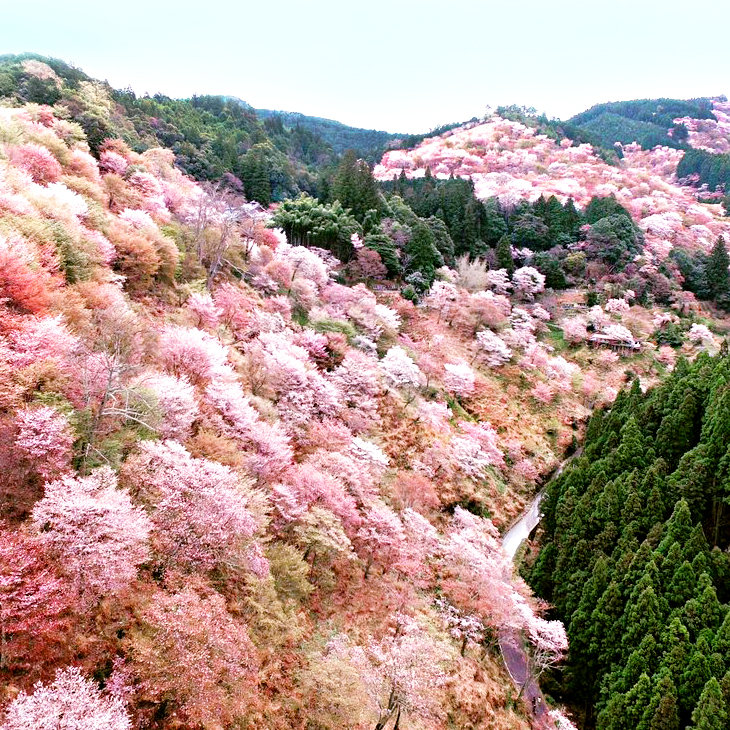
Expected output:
(510, 640)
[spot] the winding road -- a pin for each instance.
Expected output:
(510, 640)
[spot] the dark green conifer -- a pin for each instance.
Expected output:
(710, 712)
(662, 712)
(695, 676)
(504, 255)
(717, 274)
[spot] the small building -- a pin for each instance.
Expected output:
(623, 347)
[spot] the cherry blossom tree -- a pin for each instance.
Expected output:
(174, 400)
(441, 298)
(202, 510)
(44, 439)
(574, 330)
(616, 306)
(459, 379)
(528, 281)
(399, 370)
(464, 627)
(21, 281)
(381, 538)
(272, 451)
(492, 348)
(401, 672)
(498, 280)
(700, 333)
(204, 309)
(71, 701)
(190, 652)
(304, 485)
(477, 572)
(357, 378)
(560, 721)
(37, 161)
(422, 544)
(193, 353)
(99, 536)
(41, 338)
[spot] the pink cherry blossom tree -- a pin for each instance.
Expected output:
(191, 652)
(174, 401)
(381, 538)
(202, 306)
(492, 349)
(93, 528)
(528, 281)
(401, 672)
(33, 599)
(399, 370)
(201, 510)
(44, 439)
(459, 379)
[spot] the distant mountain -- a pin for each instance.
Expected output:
(368, 143)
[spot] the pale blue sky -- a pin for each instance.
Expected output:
(398, 65)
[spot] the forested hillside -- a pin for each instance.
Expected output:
(213, 137)
(368, 143)
(241, 489)
(649, 122)
(634, 556)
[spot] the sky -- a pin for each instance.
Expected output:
(396, 65)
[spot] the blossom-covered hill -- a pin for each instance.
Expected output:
(513, 162)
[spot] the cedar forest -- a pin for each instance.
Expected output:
(273, 389)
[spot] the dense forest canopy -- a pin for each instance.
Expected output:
(634, 556)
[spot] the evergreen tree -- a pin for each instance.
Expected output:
(695, 676)
(504, 255)
(717, 274)
(421, 252)
(711, 711)
(355, 187)
(662, 712)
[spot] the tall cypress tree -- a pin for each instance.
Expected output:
(504, 255)
(662, 712)
(711, 712)
(718, 275)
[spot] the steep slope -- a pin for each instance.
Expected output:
(215, 456)
(634, 556)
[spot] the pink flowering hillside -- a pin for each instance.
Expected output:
(258, 460)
